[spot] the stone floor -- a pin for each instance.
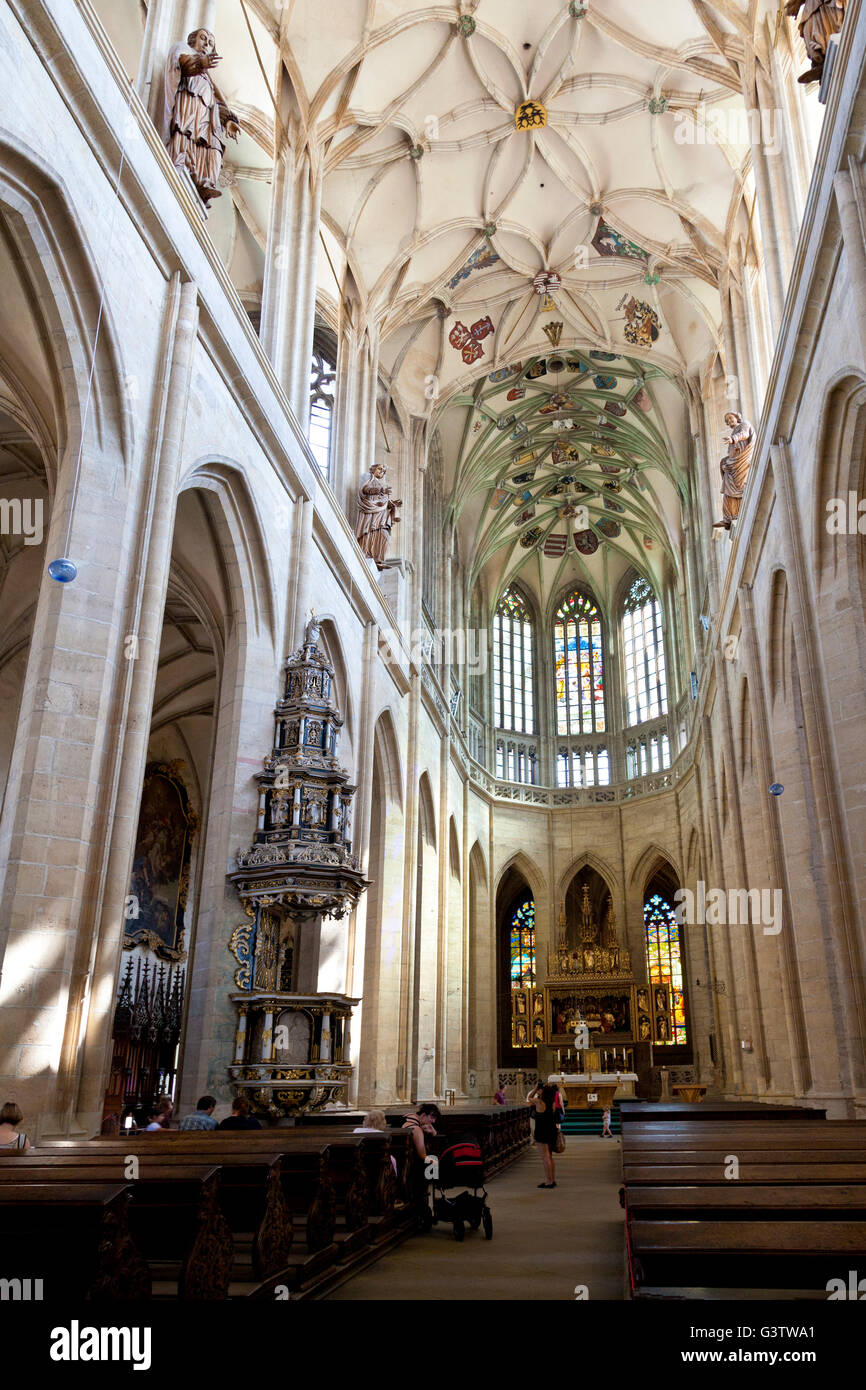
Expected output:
(544, 1243)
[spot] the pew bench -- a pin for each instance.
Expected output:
(75, 1238)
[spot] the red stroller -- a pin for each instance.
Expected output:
(460, 1164)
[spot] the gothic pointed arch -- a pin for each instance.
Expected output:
(426, 811)
(388, 747)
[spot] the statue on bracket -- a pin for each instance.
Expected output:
(735, 466)
(377, 513)
(196, 118)
(819, 21)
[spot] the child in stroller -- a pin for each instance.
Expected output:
(458, 1163)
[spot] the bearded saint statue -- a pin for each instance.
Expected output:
(820, 19)
(194, 112)
(377, 513)
(735, 466)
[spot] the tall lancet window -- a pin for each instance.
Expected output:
(322, 376)
(643, 649)
(512, 664)
(665, 967)
(579, 667)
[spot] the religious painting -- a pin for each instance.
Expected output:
(160, 866)
(603, 1011)
(642, 999)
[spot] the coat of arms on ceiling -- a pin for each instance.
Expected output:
(586, 542)
(555, 545)
(642, 323)
(553, 332)
(481, 258)
(605, 383)
(503, 373)
(468, 340)
(530, 115)
(609, 242)
(608, 528)
(641, 400)
(531, 537)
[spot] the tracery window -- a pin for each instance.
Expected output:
(643, 654)
(579, 667)
(524, 1011)
(512, 664)
(322, 377)
(664, 960)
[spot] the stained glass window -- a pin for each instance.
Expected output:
(644, 654)
(512, 664)
(579, 667)
(523, 1010)
(664, 959)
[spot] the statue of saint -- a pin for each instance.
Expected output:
(735, 466)
(194, 113)
(312, 632)
(377, 513)
(820, 19)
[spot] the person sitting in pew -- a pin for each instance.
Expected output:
(161, 1117)
(10, 1135)
(375, 1123)
(423, 1122)
(240, 1118)
(201, 1117)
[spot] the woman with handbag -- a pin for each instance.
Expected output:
(543, 1098)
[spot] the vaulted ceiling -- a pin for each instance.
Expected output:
(468, 148)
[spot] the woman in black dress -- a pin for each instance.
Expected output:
(543, 1098)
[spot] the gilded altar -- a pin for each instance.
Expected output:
(592, 985)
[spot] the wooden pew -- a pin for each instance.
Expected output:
(788, 1173)
(771, 1254)
(794, 1213)
(74, 1237)
(250, 1196)
(323, 1186)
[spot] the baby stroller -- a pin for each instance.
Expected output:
(460, 1165)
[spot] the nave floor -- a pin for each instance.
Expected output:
(544, 1243)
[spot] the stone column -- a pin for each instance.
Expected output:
(145, 627)
(769, 216)
(162, 28)
(851, 203)
(354, 445)
(291, 258)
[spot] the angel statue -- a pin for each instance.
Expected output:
(194, 113)
(735, 466)
(820, 19)
(377, 513)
